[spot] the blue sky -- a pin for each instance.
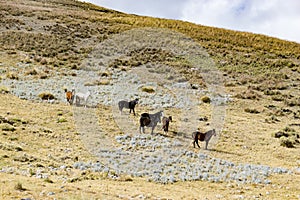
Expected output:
(277, 18)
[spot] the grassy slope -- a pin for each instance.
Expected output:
(57, 35)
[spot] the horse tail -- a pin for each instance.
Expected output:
(194, 135)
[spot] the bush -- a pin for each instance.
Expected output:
(148, 89)
(12, 75)
(205, 99)
(7, 127)
(46, 96)
(288, 137)
(4, 90)
(292, 102)
(97, 82)
(61, 120)
(251, 110)
(19, 187)
(280, 134)
(272, 92)
(277, 98)
(287, 142)
(31, 72)
(248, 94)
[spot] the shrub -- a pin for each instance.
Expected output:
(7, 127)
(46, 96)
(251, 110)
(296, 114)
(98, 82)
(148, 89)
(105, 74)
(31, 72)
(12, 75)
(4, 90)
(292, 102)
(19, 187)
(272, 92)
(248, 94)
(280, 134)
(48, 180)
(61, 120)
(286, 142)
(288, 129)
(277, 98)
(205, 99)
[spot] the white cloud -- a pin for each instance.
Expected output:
(275, 18)
(156, 8)
(278, 18)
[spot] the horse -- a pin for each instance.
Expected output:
(166, 121)
(150, 120)
(129, 105)
(82, 96)
(203, 137)
(70, 96)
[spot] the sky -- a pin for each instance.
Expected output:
(277, 18)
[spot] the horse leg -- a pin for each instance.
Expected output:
(152, 130)
(133, 111)
(197, 143)
(143, 129)
(206, 143)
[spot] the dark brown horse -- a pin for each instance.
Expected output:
(150, 120)
(203, 137)
(129, 105)
(166, 121)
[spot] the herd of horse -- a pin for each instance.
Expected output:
(151, 120)
(146, 119)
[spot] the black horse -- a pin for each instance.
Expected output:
(150, 120)
(129, 105)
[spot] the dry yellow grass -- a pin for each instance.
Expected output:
(238, 143)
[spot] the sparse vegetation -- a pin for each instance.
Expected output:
(288, 137)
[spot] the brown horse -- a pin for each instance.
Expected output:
(70, 95)
(203, 137)
(166, 121)
(150, 120)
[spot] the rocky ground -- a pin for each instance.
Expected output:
(156, 157)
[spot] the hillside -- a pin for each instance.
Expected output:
(244, 85)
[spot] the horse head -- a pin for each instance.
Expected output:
(214, 132)
(160, 115)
